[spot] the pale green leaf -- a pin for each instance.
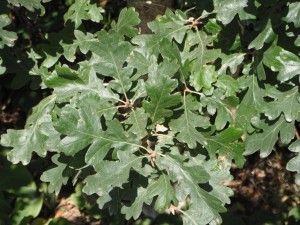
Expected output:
(227, 9)
(83, 10)
(293, 15)
(55, 176)
(266, 36)
(33, 138)
(127, 22)
(232, 62)
(6, 37)
(138, 119)
(30, 5)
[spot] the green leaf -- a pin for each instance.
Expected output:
(227, 85)
(82, 127)
(266, 36)
(293, 14)
(286, 102)
(170, 26)
(290, 65)
(226, 144)
(55, 176)
(161, 188)
(265, 140)
(227, 9)
(223, 108)
(35, 135)
(111, 174)
(185, 126)
(30, 5)
(112, 55)
(159, 90)
(6, 37)
(83, 10)
(26, 208)
(138, 119)
(204, 78)
(294, 164)
(82, 42)
(187, 178)
(128, 19)
(232, 62)
(254, 98)
(283, 61)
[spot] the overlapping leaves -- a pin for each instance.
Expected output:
(155, 117)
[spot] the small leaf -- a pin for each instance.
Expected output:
(128, 19)
(83, 10)
(232, 62)
(6, 37)
(55, 176)
(138, 118)
(266, 36)
(204, 78)
(223, 108)
(293, 14)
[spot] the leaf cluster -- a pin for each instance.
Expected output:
(157, 119)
